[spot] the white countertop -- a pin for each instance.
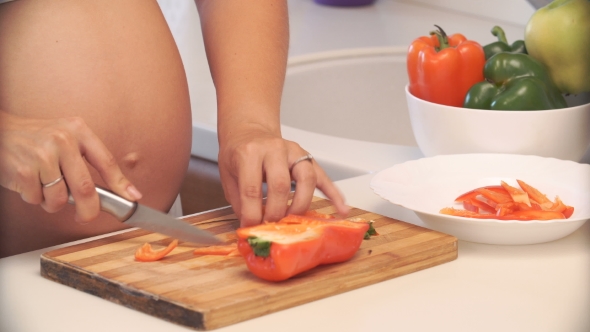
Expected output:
(541, 288)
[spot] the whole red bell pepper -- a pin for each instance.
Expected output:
(442, 69)
(280, 250)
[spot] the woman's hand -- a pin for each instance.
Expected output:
(254, 156)
(34, 152)
(247, 44)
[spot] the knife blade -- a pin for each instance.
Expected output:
(137, 215)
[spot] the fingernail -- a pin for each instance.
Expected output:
(135, 194)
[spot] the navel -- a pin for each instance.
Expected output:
(130, 160)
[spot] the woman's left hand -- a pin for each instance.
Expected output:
(252, 157)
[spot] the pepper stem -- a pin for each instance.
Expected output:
(443, 39)
(260, 247)
(499, 32)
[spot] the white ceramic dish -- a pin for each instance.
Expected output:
(427, 185)
(559, 133)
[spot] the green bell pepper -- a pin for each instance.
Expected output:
(502, 44)
(514, 81)
(558, 35)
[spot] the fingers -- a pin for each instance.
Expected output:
(304, 175)
(38, 151)
(97, 154)
(243, 169)
(55, 191)
(278, 184)
(331, 191)
(78, 177)
(249, 183)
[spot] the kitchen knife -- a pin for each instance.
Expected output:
(137, 215)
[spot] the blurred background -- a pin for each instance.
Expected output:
(320, 29)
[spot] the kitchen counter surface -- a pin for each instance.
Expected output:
(541, 288)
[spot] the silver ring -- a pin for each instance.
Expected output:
(306, 157)
(54, 182)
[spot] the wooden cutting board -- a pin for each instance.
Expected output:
(208, 292)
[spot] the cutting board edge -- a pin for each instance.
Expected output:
(90, 283)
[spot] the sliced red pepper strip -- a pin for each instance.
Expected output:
(465, 213)
(224, 250)
(568, 211)
(467, 205)
(494, 196)
(278, 251)
(473, 193)
(533, 215)
(518, 195)
(476, 205)
(558, 205)
(535, 195)
(524, 207)
(145, 253)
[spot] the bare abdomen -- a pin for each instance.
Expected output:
(114, 64)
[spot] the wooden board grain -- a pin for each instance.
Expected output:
(208, 292)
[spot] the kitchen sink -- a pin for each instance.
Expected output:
(346, 107)
(356, 94)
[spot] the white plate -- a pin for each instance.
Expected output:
(430, 184)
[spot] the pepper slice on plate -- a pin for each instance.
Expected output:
(506, 202)
(277, 251)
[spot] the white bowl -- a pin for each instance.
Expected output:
(429, 184)
(559, 133)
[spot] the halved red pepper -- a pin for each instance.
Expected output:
(278, 251)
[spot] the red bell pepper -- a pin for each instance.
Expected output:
(278, 251)
(442, 69)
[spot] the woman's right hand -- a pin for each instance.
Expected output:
(34, 152)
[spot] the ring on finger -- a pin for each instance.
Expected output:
(54, 182)
(306, 157)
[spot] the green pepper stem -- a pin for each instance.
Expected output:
(499, 32)
(260, 247)
(443, 39)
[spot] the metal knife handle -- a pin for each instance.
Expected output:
(112, 203)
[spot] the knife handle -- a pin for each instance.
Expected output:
(112, 203)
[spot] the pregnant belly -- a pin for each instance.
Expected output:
(114, 64)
